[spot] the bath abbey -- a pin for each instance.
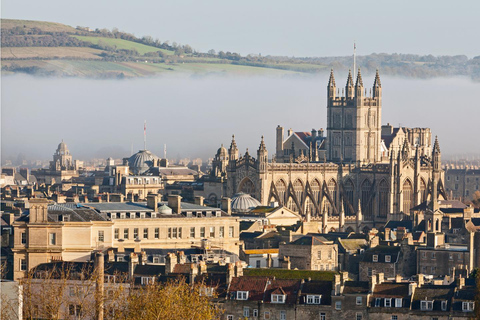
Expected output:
(357, 176)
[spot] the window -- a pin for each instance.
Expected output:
(246, 312)
(266, 315)
(278, 298)
(101, 236)
(323, 316)
(52, 237)
(75, 310)
(388, 302)
(319, 255)
(242, 295)
(359, 301)
(258, 263)
(116, 233)
(450, 256)
(192, 232)
(359, 316)
(433, 253)
(231, 233)
(145, 233)
(142, 215)
(122, 215)
(157, 233)
(132, 215)
(24, 238)
(394, 317)
(377, 302)
(424, 254)
(23, 264)
(125, 233)
(202, 232)
(212, 232)
(313, 299)
(147, 280)
(371, 272)
(255, 313)
(468, 306)
(398, 302)
(229, 317)
(113, 216)
(283, 315)
(375, 258)
(426, 305)
(338, 305)
(156, 260)
(444, 305)
(388, 258)
(221, 232)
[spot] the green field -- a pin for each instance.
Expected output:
(43, 25)
(123, 44)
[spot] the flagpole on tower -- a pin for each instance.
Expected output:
(145, 135)
(354, 58)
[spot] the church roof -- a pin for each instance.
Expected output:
(141, 161)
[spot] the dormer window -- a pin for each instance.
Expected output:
(375, 258)
(426, 305)
(314, 299)
(154, 214)
(132, 215)
(398, 302)
(388, 258)
(444, 305)
(65, 218)
(388, 302)
(113, 216)
(378, 302)
(123, 215)
(142, 215)
(468, 306)
(242, 295)
(278, 298)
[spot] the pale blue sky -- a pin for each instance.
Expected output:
(300, 28)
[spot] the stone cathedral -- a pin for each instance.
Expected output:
(358, 176)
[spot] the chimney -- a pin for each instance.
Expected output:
(227, 205)
(131, 264)
(174, 202)
(199, 200)
(314, 134)
(411, 288)
(111, 255)
(337, 284)
(152, 202)
(420, 280)
(38, 210)
(170, 262)
(239, 269)
(181, 257)
(143, 258)
(320, 132)
(286, 264)
(380, 277)
(387, 234)
(289, 132)
(194, 272)
(398, 278)
(230, 272)
(460, 282)
(202, 267)
(137, 245)
(373, 282)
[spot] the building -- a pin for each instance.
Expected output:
(374, 173)
(62, 168)
(461, 182)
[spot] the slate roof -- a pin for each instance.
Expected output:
(323, 288)
(393, 225)
(391, 290)
(254, 285)
(356, 287)
(432, 292)
(311, 241)
(288, 287)
(382, 251)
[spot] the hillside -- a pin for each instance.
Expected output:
(48, 48)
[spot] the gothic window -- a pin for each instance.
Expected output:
(337, 120)
(247, 187)
(348, 139)
(349, 193)
(337, 139)
(281, 189)
(408, 199)
(367, 204)
(315, 186)
(332, 191)
(423, 191)
(348, 121)
(383, 191)
(298, 189)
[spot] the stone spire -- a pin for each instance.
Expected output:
(405, 149)
(331, 85)
(262, 146)
(377, 82)
(349, 86)
(233, 150)
(436, 146)
(359, 82)
(262, 157)
(359, 217)
(377, 86)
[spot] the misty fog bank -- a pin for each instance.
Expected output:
(194, 116)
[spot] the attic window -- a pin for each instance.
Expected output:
(242, 295)
(444, 305)
(398, 302)
(113, 216)
(468, 306)
(65, 218)
(388, 258)
(278, 298)
(426, 305)
(375, 258)
(147, 280)
(314, 299)
(388, 302)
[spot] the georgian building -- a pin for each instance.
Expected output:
(368, 175)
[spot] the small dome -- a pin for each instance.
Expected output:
(222, 151)
(141, 161)
(62, 146)
(164, 209)
(242, 202)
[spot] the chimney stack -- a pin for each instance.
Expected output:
(174, 202)
(199, 200)
(227, 205)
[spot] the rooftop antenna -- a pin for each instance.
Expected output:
(354, 57)
(165, 151)
(145, 135)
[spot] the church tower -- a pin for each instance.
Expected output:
(354, 121)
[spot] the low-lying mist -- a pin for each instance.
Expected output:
(193, 116)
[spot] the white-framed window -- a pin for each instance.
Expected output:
(135, 233)
(426, 305)
(468, 306)
(231, 232)
(338, 305)
(358, 301)
(323, 316)
(123, 215)
(142, 215)
(278, 298)
(388, 258)
(125, 233)
(116, 233)
(120, 258)
(156, 260)
(212, 232)
(242, 295)
(444, 305)
(145, 233)
(283, 315)
(192, 232)
(398, 302)
(147, 280)
(266, 315)
(202, 232)
(101, 236)
(157, 233)
(221, 232)
(255, 313)
(375, 258)
(52, 239)
(377, 302)
(388, 302)
(246, 312)
(113, 215)
(358, 316)
(132, 215)
(314, 299)
(154, 215)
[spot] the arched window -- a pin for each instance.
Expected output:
(315, 186)
(332, 191)
(247, 187)
(383, 192)
(349, 193)
(367, 203)
(408, 199)
(298, 189)
(281, 189)
(423, 191)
